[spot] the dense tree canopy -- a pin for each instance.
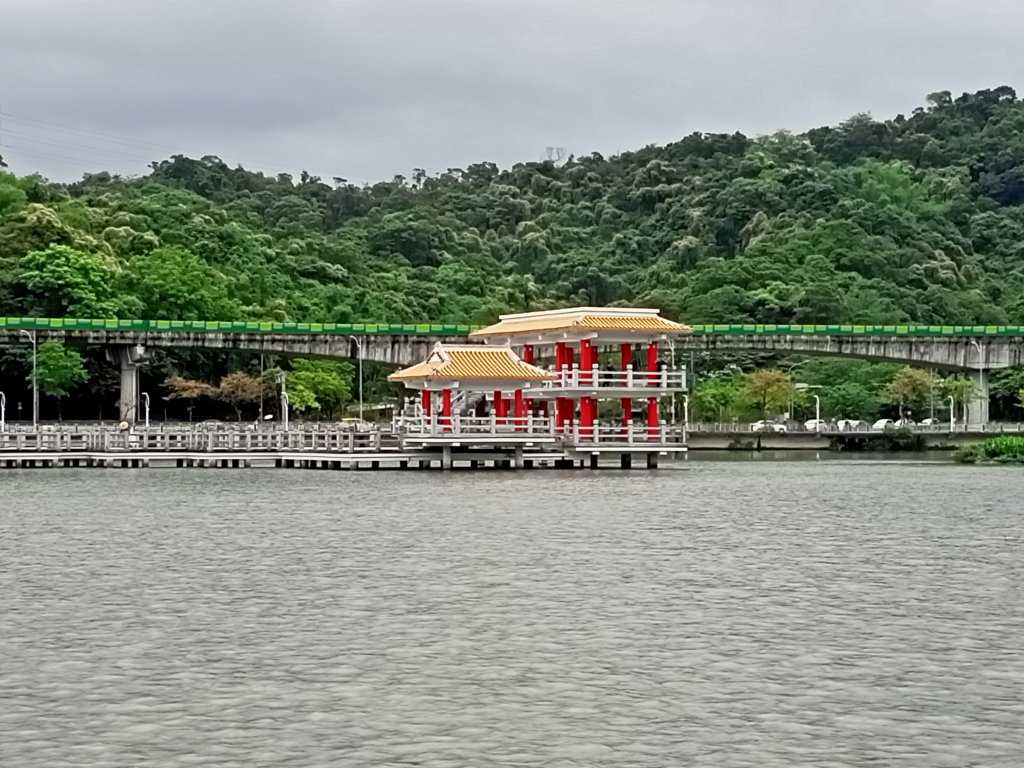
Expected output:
(917, 218)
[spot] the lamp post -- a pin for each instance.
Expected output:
(359, 355)
(31, 336)
(3, 412)
(802, 387)
(282, 378)
(686, 415)
(952, 414)
(145, 399)
(789, 371)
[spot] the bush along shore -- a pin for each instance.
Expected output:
(1002, 449)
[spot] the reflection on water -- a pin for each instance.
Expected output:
(726, 613)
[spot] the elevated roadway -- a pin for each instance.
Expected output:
(974, 350)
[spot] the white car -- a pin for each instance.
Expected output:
(905, 423)
(816, 425)
(849, 425)
(932, 422)
(883, 424)
(767, 426)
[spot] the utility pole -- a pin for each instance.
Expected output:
(31, 336)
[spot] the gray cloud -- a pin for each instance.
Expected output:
(369, 88)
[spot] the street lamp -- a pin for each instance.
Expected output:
(802, 387)
(31, 336)
(359, 349)
(789, 371)
(282, 378)
(952, 414)
(686, 415)
(3, 412)
(145, 398)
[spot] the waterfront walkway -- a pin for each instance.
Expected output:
(329, 446)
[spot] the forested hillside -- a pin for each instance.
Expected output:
(917, 218)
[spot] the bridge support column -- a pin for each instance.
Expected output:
(977, 409)
(129, 359)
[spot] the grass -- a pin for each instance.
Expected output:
(1003, 449)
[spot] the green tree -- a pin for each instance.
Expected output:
(851, 400)
(62, 281)
(58, 369)
(768, 389)
(962, 389)
(910, 387)
(319, 385)
(173, 283)
(715, 398)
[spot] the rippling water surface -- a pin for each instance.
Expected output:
(718, 614)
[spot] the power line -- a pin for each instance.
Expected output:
(77, 162)
(63, 128)
(128, 145)
(73, 146)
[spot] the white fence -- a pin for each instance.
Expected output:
(437, 425)
(577, 378)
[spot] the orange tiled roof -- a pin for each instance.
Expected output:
(584, 321)
(469, 363)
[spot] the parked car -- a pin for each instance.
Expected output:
(850, 425)
(815, 425)
(932, 422)
(767, 426)
(905, 423)
(883, 424)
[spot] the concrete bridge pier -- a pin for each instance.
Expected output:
(129, 358)
(977, 409)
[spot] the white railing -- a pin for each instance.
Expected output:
(171, 441)
(437, 425)
(577, 378)
(625, 434)
(457, 424)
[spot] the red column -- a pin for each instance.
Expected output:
(425, 400)
(446, 409)
(528, 354)
(560, 350)
(519, 410)
(627, 403)
(586, 418)
(652, 379)
(499, 407)
(652, 419)
(585, 364)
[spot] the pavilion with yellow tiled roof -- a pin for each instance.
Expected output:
(473, 368)
(578, 336)
(497, 386)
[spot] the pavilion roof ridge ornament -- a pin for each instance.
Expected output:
(610, 321)
(565, 311)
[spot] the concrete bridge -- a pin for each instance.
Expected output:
(973, 355)
(973, 350)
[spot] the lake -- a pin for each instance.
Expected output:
(713, 613)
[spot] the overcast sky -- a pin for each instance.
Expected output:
(366, 89)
